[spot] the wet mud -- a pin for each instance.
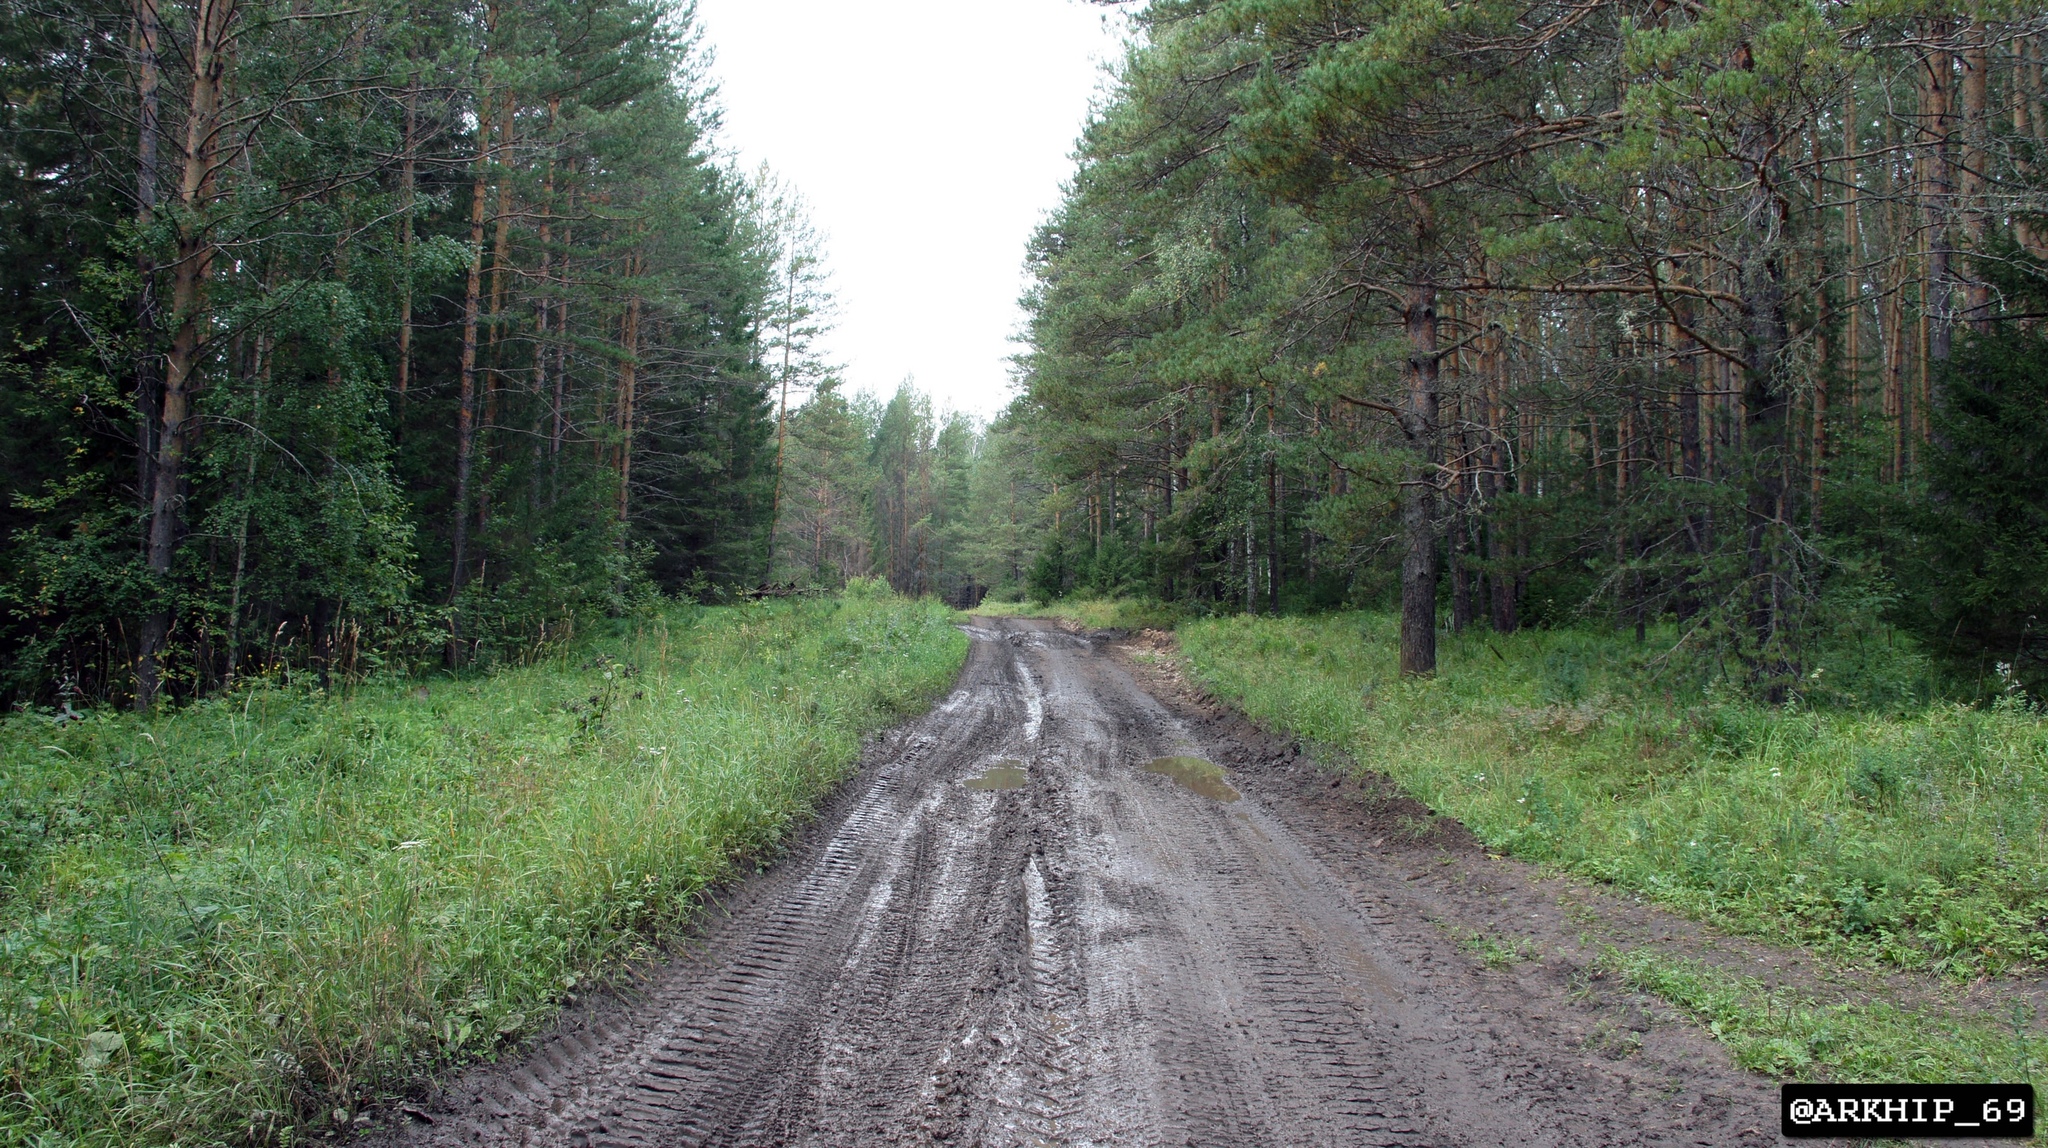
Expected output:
(1073, 905)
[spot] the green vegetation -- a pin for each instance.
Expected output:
(1785, 1034)
(258, 911)
(1329, 318)
(1906, 837)
(1917, 839)
(456, 324)
(928, 500)
(1096, 613)
(337, 343)
(1495, 952)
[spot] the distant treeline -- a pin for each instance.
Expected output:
(333, 335)
(932, 502)
(1720, 312)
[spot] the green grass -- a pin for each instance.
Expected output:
(1496, 952)
(1785, 1033)
(1919, 840)
(1094, 613)
(1911, 840)
(227, 923)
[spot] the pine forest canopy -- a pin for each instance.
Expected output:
(1723, 312)
(344, 334)
(349, 337)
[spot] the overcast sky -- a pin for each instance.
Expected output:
(930, 137)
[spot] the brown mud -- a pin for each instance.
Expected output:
(1105, 954)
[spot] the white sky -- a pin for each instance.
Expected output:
(930, 137)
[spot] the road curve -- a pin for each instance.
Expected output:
(1009, 931)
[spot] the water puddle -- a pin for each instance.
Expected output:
(1204, 777)
(1001, 775)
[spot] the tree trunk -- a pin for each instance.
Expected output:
(148, 136)
(559, 410)
(1272, 533)
(782, 413)
(1498, 482)
(1937, 122)
(2027, 125)
(472, 305)
(189, 275)
(260, 372)
(1766, 443)
(408, 182)
(628, 388)
(1419, 488)
(538, 407)
(501, 264)
(1824, 365)
(493, 320)
(1973, 176)
(1852, 245)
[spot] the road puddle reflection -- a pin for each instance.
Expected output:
(1002, 775)
(1204, 777)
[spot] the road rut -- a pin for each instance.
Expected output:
(1083, 951)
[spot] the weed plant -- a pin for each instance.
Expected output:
(237, 922)
(1916, 837)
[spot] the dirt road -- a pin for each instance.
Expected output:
(1039, 916)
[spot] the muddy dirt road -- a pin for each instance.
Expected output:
(1040, 917)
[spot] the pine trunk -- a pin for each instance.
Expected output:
(628, 398)
(472, 305)
(1972, 176)
(189, 275)
(1419, 489)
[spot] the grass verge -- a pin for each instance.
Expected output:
(1907, 839)
(237, 922)
(1785, 1033)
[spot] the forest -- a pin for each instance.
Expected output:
(1590, 452)
(401, 336)
(1716, 314)
(347, 337)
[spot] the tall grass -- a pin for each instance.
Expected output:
(240, 920)
(1918, 839)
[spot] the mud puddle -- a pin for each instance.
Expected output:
(1199, 774)
(1006, 774)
